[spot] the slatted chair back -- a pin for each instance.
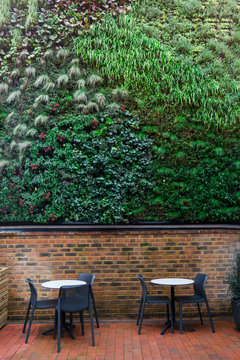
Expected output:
(199, 285)
(89, 278)
(74, 298)
(144, 286)
(33, 297)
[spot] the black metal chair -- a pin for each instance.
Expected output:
(145, 299)
(89, 279)
(37, 304)
(75, 298)
(198, 297)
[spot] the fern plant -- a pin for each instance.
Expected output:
(74, 71)
(30, 71)
(42, 80)
(4, 88)
(94, 79)
(80, 96)
(32, 12)
(20, 130)
(4, 10)
(24, 146)
(43, 98)
(91, 107)
(101, 99)
(62, 80)
(49, 86)
(14, 96)
(81, 84)
(3, 164)
(120, 93)
(41, 120)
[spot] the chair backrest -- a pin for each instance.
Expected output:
(89, 278)
(144, 286)
(199, 284)
(74, 298)
(33, 297)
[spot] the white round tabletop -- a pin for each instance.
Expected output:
(172, 281)
(56, 284)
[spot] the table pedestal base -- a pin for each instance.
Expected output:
(65, 325)
(176, 324)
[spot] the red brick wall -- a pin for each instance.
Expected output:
(115, 258)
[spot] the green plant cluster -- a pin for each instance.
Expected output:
(196, 173)
(76, 172)
(204, 31)
(75, 154)
(194, 122)
(136, 126)
(123, 53)
(233, 279)
(28, 28)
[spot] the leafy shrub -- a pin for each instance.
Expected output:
(123, 53)
(69, 150)
(48, 91)
(233, 279)
(30, 27)
(81, 169)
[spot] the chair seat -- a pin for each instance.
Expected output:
(46, 304)
(189, 299)
(158, 299)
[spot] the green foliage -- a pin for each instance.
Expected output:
(69, 150)
(49, 91)
(233, 279)
(32, 12)
(81, 169)
(123, 53)
(30, 26)
(4, 10)
(209, 35)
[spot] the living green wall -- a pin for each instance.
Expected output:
(129, 114)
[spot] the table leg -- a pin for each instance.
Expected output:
(65, 325)
(175, 323)
(168, 325)
(173, 304)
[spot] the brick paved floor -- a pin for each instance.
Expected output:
(120, 341)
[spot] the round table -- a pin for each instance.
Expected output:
(173, 282)
(56, 284)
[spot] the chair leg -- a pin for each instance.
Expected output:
(200, 314)
(55, 324)
(62, 322)
(59, 330)
(29, 326)
(210, 316)
(82, 321)
(26, 318)
(172, 325)
(141, 318)
(180, 317)
(91, 317)
(167, 312)
(71, 321)
(139, 311)
(95, 311)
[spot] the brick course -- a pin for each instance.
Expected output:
(115, 258)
